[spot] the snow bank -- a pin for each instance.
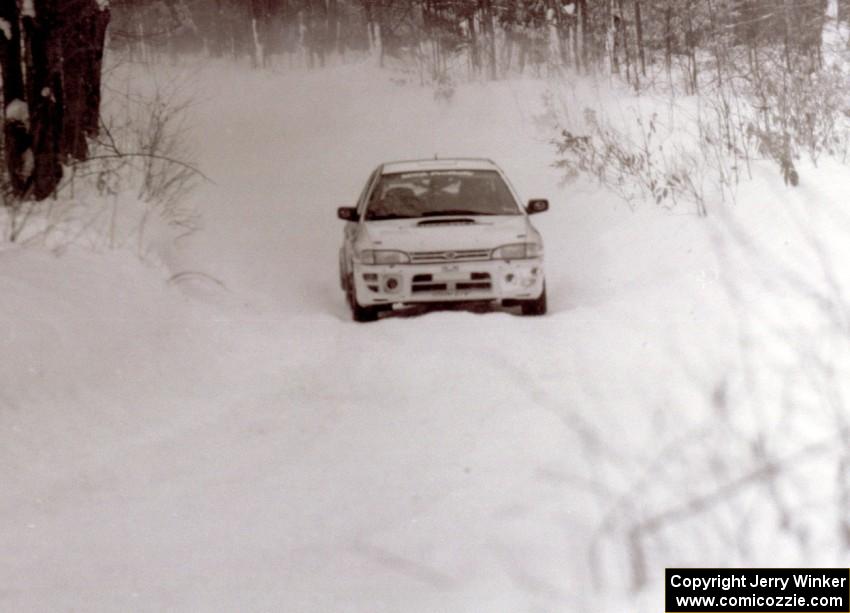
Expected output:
(6, 28)
(17, 110)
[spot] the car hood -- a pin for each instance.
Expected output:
(449, 233)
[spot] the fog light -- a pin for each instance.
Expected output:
(391, 284)
(509, 278)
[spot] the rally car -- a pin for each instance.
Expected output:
(441, 231)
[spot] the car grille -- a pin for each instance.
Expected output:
(477, 281)
(463, 255)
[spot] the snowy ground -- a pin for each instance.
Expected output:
(186, 446)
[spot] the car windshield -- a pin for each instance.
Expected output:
(440, 192)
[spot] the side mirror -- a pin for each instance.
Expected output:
(348, 213)
(537, 205)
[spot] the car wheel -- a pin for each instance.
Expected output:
(359, 313)
(364, 314)
(535, 307)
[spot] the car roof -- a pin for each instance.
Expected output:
(438, 164)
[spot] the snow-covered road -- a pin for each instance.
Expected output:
(187, 447)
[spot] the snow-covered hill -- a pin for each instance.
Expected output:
(242, 445)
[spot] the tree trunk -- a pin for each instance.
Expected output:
(611, 38)
(44, 46)
(96, 45)
(624, 40)
(561, 31)
(575, 39)
(690, 38)
(586, 35)
(786, 38)
(668, 42)
(639, 37)
(17, 139)
(83, 39)
(475, 52)
(490, 32)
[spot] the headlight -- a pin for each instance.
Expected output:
(517, 251)
(378, 256)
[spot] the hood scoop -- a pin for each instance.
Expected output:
(447, 221)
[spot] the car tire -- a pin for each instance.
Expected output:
(361, 314)
(534, 307)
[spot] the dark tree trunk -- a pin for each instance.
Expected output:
(613, 37)
(691, 44)
(83, 33)
(75, 68)
(44, 47)
(621, 40)
(639, 37)
(17, 139)
(668, 41)
(624, 38)
(97, 43)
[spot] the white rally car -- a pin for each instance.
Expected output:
(437, 231)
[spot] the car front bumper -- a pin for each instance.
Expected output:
(486, 280)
